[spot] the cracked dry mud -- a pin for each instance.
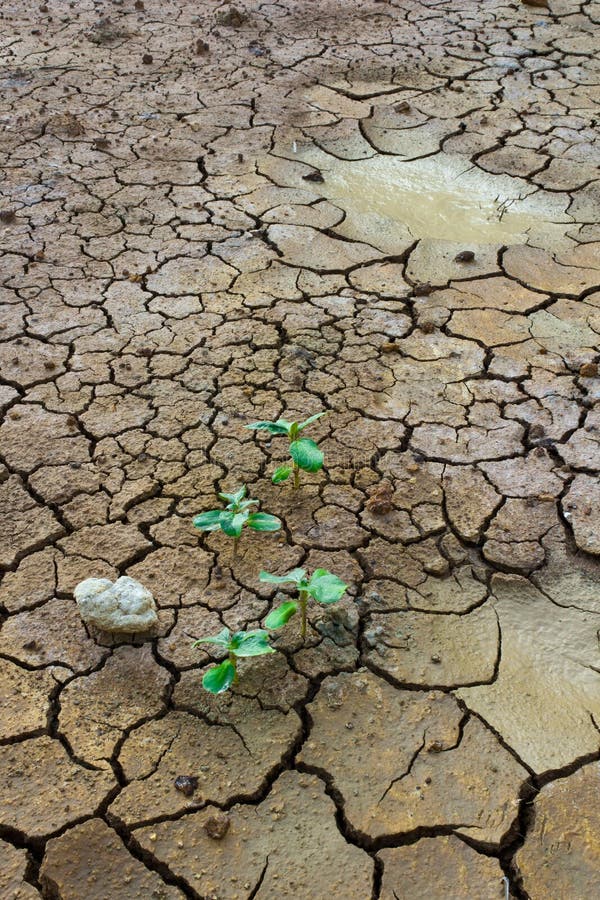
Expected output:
(211, 215)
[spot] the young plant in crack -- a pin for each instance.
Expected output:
(238, 646)
(235, 517)
(322, 586)
(304, 452)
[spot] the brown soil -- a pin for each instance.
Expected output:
(190, 242)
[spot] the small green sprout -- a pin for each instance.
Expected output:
(304, 451)
(235, 517)
(322, 586)
(238, 645)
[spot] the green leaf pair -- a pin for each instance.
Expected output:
(322, 586)
(238, 645)
(304, 452)
(282, 426)
(242, 643)
(236, 516)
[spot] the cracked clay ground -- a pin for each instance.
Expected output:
(201, 225)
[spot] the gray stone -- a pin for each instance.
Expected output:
(125, 606)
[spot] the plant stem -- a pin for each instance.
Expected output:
(233, 661)
(236, 542)
(303, 604)
(296, 476)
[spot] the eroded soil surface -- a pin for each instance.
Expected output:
(196, 232)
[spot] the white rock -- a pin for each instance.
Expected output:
(125, 606)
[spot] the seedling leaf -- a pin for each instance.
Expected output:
(281, 474)
(232, 523)
(236, 639)
(222, 639)
(326, 587)
(254, 643)
(234, 499)
(282, 614)
(306, 455)
(244, 504)
(263, 522)
(293, 577)
(207, 521)
(278, 427)
(310, 420)
(235, 516)
(219, 678)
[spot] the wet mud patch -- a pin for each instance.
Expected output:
(442, 196)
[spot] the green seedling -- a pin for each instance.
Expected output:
(322, 586)
(304, 451)
(235, 517)
(238, 645)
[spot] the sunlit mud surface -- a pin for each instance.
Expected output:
(442, 197)
(211, 215)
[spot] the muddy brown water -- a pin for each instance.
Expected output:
(443, 197)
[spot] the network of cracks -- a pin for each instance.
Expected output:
(213, 214)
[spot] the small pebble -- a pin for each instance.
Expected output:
(187, 784)
(465, 256)
(314, 177)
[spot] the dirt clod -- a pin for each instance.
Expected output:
(66, 124)
(381, 500)
(106, 31)
(217, 826)
(230, 16)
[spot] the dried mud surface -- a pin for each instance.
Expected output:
(173, 266)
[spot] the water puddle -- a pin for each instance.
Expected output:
(441, 197)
